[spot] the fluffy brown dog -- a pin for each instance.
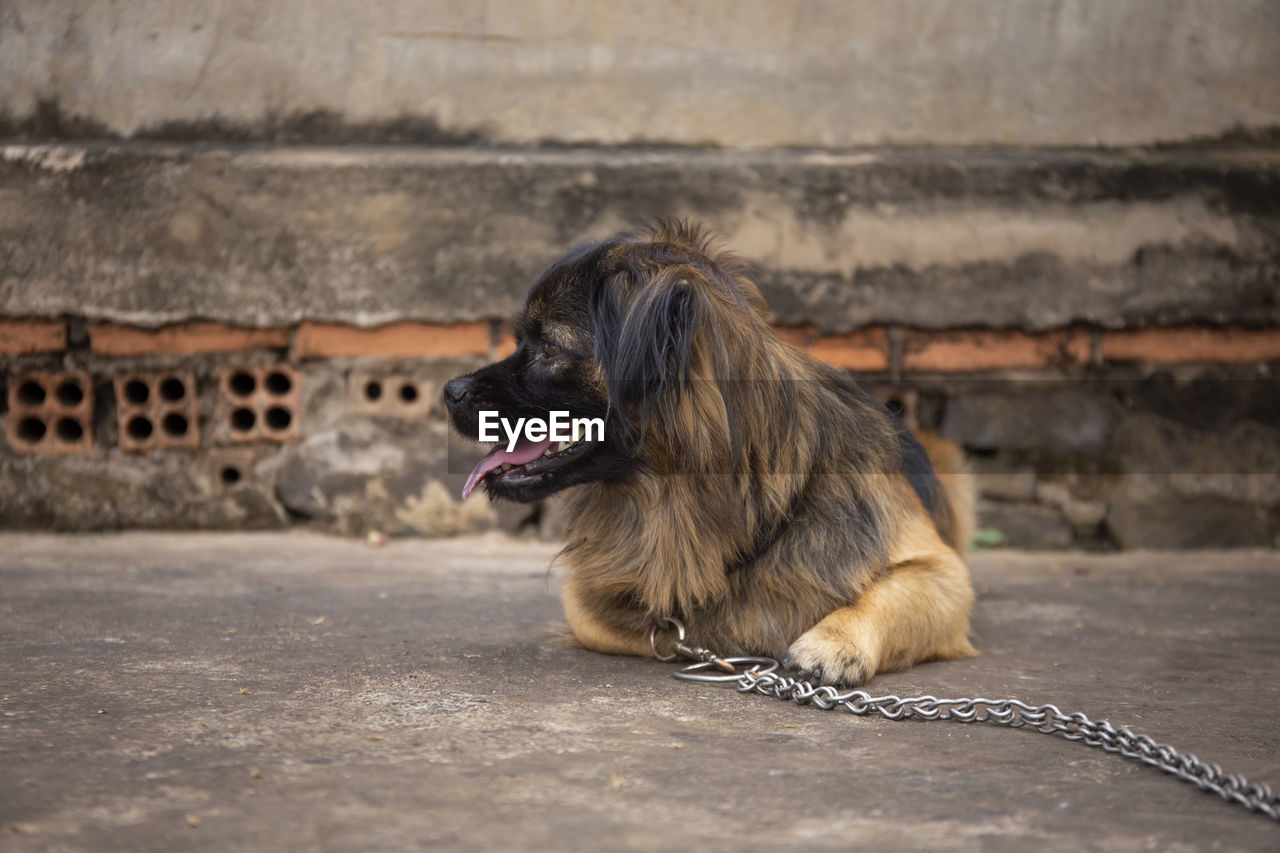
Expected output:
(763, 499)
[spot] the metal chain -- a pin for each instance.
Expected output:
(764, 679)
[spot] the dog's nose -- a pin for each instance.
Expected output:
(456, 390)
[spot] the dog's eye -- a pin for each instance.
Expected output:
(546, 352)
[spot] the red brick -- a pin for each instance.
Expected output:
(143, 396)
(395, 340)
(183, 339)
(18, 337)
(60, 401)
(396, 395)
(505, 344)
(258, 393)
(800, 336)
(1187, 345)
(960, 351)
(866, 350)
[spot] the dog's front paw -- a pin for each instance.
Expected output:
(823, 658)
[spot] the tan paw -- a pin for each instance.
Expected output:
(822, 658)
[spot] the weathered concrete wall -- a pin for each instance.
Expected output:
(825, 73)
(1135, 298)
(1008, 240)
(933, 211)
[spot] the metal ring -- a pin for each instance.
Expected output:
(663, 624)
(693, 672)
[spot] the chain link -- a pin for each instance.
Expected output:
(763, 678)
(1014, 714)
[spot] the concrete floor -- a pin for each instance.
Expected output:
(164, 692)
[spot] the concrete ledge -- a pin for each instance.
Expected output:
(929, 238)
(293, 691)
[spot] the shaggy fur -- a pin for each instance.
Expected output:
(765, 500)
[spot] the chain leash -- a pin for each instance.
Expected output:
(763, 678)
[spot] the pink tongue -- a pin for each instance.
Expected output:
(525, 451)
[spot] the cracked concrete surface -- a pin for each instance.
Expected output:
(272, 691)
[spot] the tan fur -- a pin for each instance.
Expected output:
(590, 632)
(764, 499)
(918, 612)
(659, 544)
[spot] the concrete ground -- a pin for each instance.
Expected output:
(288, 691)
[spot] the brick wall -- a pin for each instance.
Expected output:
(232, 303)
(246, 426)
(892, 350)
(221, 336)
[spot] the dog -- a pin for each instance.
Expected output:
(765, 500)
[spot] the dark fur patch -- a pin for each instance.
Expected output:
(644, 344)
(924, 481)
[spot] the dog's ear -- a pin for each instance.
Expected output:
(644, 338)
(663, 363)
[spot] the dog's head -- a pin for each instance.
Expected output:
(643, 331)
